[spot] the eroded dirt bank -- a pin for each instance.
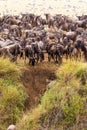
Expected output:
(35, 81)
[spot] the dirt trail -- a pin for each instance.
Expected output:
(35, 81)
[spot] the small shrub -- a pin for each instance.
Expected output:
(72, 108)
(12, 96)
(11, 105)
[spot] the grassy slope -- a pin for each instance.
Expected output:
(11, 94)
(63, 106)
(15, 81)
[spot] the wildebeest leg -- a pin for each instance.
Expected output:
(15, 59)
(53, 56)
(85, 55)
(31, 56)
(32, 61)
(60, 59)
(11, 56)
(22, 54)
(76, 56)
(56, 58)
(66, 56)
(4, 55)
(37, 57)
(25, 58)
(29, 61)
(70, 56)
(41, 56)
(49, 57)
(79, 54)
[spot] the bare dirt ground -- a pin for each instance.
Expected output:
(35, 81)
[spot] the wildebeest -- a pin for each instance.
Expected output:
(12, 51)
(31, 35)
(71, 35)
(29, 53)
(4, 43)
(55, 51)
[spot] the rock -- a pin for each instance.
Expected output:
(12, 127)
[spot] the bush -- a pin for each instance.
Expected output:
(11, 105)
(12, 96)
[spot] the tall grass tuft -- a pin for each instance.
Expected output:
(12, 96)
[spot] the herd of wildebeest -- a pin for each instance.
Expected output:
(34, 37)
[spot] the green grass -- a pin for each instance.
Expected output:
(63, 103)
(12, 96)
